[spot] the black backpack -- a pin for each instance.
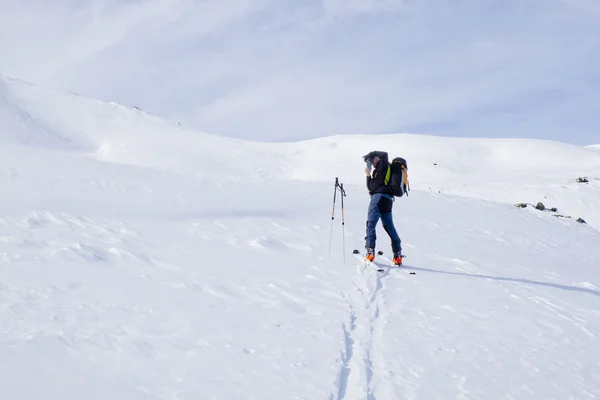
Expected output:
(397, 177)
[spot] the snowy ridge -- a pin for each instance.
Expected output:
(141, 260)
(109, 131)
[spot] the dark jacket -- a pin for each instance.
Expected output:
(376, 183)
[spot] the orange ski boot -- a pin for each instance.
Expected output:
(370, 255)
(397, 260)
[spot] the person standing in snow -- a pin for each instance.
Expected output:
(380, 206)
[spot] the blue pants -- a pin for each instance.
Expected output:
(381, 207)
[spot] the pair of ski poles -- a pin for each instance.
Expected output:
(338, 187)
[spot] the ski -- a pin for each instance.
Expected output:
(361, 257)
(392, 265)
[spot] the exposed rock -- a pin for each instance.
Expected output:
(582, 180)
(540, 206)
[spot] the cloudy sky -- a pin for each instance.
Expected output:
(292, 69)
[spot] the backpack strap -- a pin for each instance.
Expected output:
(405, 179)
(388, 175)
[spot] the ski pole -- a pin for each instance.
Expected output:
(342, 195)
(333, 214)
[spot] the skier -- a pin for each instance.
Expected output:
(380, 205)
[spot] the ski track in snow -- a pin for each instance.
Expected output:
(363, 369)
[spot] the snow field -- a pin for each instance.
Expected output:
(139, 260)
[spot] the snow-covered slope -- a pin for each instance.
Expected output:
(108, 131)
(140, 260)
(510, 171)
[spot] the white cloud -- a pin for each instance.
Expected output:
(265, 69)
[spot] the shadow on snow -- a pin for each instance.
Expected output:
(505, 279)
